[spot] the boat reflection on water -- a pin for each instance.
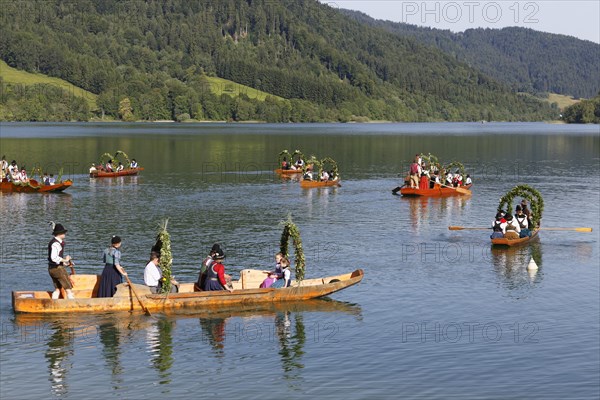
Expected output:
(114, 332)
(443, 210)
(60, 348)
(510, 264)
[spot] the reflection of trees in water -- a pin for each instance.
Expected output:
(510, 264)
(291, 342)
(160, 343)
(213, 329)
(60, 347)
(109, 337)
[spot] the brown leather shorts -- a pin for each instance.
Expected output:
(60, 277)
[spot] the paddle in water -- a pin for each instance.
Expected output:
(137, 297)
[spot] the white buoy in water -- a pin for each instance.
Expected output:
(532, 266)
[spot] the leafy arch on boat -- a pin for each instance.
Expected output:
(314, 161)
(529, 193)
(431, 159)
(120, 155)
(453, 165)
(290, 230)
(328, 161)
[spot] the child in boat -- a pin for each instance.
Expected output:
(286, 281)
(274, 275)
(498, 226)
(57, 262)
(113, 272)
(215, 274)
(133, 164)
(206, 263)
(522, 221)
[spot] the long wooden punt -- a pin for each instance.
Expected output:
(246, 292)
(515, 242)
(34, 187)
(305, 184)
(125, 172)
(437, 191)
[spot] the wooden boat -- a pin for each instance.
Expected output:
(246, 292)
(306, 184)
(288, 171)
(34, 187)
(437, 191)
(515, 242)
(125, 172)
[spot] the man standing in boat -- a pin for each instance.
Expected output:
(57, 262)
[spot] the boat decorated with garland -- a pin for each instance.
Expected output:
(310, 181)
(134, 297)
(289, 158)
(537, 207)
(428, 189)
(100, 172)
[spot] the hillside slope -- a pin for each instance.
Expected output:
(150, 56)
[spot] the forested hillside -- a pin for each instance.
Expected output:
(525, 59)
(584, 112)
(149, 60)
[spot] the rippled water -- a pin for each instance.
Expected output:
(439, 314)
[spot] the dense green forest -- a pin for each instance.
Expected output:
(148, 60)
(584, 112)
(525, 59)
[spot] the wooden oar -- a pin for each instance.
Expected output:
(137, 297)
(461, 228)
(397, 189)
(458, 189)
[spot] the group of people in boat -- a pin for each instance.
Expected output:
(309, 175)
(211, 277)
(109, 166)
(509, 226)
(12, 173)
(422, 176)
(292, 166)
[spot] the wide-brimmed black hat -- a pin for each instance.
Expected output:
(219, 254)
(216, 248)
(58, 230)
(509, 217)
(518, 208)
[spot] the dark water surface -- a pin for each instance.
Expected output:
(439, 314)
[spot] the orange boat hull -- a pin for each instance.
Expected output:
(34, 187)
(317, 184)
(288, 171)
(437, 191)
(125, 172)
(515, 242)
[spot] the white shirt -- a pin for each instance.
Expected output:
(468, 181)
(134, 164)
(51, 181)
(324, 176)
(13, 169)
(120, 167)
(55, 251)
(152, 274)
(522, 221)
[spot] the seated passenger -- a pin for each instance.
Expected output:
(308, 176)
(215, 274)
(206, 263)
(324, 176)
(51, 180)
(274, 275)
(512, 229)
(120, 167)
(468, 181)
(46, 179)
(522, 221)
(285, 165)
(93, 168)
(286, 281)
(109, 166)
(498, 226)
(299, 163)
(133, 164)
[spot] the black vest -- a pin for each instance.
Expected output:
(52, 264)
(497, 227)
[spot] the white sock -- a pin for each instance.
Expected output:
(70, 295)
(55, 294)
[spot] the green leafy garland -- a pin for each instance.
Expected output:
(431, 159)
(455, 164)
(281, 155)
(334, 166)
(297, 153)
(529, 193)
(107, 156)
(312, 160)
(163, 246)
(291, 230)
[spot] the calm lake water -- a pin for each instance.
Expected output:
(439, 314)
